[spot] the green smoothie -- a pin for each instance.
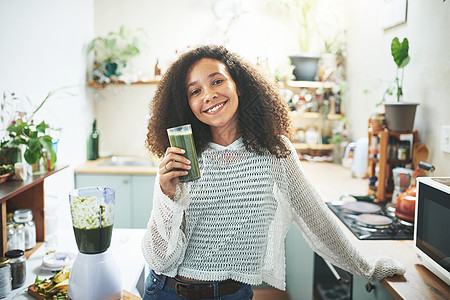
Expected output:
(90, 241)
(182, 137)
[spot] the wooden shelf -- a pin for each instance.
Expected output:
(24, 194)
(309, 84)
(316, 115)
(96, 85)
(302, 146)
(385, 165)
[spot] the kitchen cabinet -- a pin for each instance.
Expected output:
(134, 194)
(16, 194)
(385, 160)
(299, 265)
(369, 291)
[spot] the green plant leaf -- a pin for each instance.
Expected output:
(41, 127)
(34, 145)
(399, 52)
(46, 142)
(52, 159)
(31, 157)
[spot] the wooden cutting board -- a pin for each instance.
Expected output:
(33, 291)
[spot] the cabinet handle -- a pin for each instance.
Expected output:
(335, 273)
(125, 181)
(369, 287)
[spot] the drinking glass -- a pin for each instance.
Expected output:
(182, 137)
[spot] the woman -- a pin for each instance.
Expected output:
(218, 235)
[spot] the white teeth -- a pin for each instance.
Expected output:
(215, 108)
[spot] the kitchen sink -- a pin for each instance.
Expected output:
(127, 161)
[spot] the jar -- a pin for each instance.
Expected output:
(20, 236)
(11, 237)
(25, 217)
(17, 261)
(403, 150)
(5, 277)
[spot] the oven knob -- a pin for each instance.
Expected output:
(369, 287)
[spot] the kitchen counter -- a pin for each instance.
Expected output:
(126, 250)
(331, 181)
(102, 166)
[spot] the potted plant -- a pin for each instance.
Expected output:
(305, 63)
(112, 53)
(38, 144)
(32, 138)
(399, 115)
(315, 22)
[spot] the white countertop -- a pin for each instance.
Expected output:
(125, 247)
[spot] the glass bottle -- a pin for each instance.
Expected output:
(93, 143)
(157, 69)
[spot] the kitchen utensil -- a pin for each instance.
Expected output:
(420, 153)
(402, 180)
(92, 211)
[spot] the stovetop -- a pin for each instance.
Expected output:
(397, 230)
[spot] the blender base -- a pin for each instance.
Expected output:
(95, 277)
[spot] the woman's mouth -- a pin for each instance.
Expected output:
(215, 107)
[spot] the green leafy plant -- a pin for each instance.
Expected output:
(113, 51)
(24, 131)
(401, 58)
(38, 144)
(399, 52)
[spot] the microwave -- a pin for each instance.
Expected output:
(432, 225)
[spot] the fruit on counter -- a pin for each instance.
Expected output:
(62, 275)
(52, 288)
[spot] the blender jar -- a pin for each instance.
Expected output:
(92, 210)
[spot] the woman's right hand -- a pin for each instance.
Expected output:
(172, 166)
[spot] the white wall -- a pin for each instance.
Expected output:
(42, 49)
(427, 76)
(260, 29)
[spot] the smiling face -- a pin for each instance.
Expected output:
(213, 96)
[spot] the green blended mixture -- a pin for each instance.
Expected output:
(185, 140)
(90, 241)
(92, 224)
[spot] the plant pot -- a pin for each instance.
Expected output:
(400, 115)
(305, 66)
(10, 155)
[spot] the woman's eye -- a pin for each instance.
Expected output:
(217, 81)
(194, 92)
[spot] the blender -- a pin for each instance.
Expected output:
(94, 273)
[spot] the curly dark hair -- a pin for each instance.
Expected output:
(263, 116)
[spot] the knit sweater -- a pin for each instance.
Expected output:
(232, 222)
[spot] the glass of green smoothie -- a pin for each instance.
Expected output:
(92, 210)
(182, 137)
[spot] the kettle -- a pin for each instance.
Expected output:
(406, 201)
(359, 163)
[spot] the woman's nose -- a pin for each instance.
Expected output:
(210, 94)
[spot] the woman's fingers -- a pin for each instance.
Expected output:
(175, 165)
(173, 159)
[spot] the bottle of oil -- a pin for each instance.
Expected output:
(92, 151)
